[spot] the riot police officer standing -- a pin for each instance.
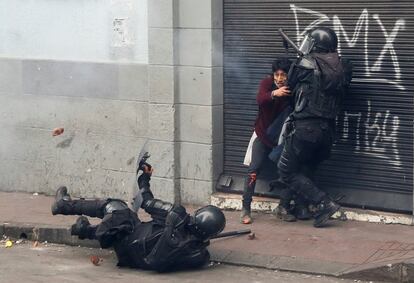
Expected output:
(319, 80)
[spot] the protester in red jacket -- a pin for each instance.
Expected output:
(272, 98)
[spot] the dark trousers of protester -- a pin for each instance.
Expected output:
(260, 153)
(306, 146)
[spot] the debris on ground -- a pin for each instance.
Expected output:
(95, 260)
(57, 131)
(8, 244)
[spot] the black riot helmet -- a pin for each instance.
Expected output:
(207, 222)
(320, 40)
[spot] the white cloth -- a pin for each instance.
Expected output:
(248, 156)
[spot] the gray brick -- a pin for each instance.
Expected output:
(160, 46)
(195, 123)
(217, 47)
(133, 82)
(194, 47)
(161, 121)
(10, 76)
(96, 80)
(162, 158)
(195, 191)
(218, 86)
(218, 135)
(163, 189)
(200, 85)
(160, 13)
(194, 14)
(161, 84)
(196, 161)
(75, 114)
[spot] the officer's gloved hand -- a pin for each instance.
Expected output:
(177, 216)
(145, 177)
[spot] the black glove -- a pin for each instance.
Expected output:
(143, 180)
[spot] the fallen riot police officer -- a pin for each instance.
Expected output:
(173, 239)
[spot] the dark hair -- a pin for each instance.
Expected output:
(281, 64)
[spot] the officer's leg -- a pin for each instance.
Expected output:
(295, 153)
(64, 204)
(83, 229)
(259, 153)
(301, 208)
(288, 162)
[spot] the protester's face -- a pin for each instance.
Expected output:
(280, 78)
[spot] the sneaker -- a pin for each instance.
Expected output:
(245, 217)
(284, 214)
(325, 209)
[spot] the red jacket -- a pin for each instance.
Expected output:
(269, 108)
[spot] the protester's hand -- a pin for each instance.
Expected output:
(283, 91)
(147, 169)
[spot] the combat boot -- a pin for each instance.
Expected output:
(325, 209)
(83, 229)
(302, 212)
(64, 204)
(285, 214)
(61, 205)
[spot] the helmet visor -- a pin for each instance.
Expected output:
(307, 44)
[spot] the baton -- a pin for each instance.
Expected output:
(291, 43)
(232, 233)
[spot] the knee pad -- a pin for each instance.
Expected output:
(115, 204)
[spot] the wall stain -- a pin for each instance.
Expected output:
(65, 143)
(129, 161)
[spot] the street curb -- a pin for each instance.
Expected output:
(394, 272)
(227, 201)
(44, 233)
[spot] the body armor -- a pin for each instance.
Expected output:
(320, 86)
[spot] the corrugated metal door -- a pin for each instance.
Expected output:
(372, 161)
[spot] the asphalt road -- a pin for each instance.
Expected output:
(26, 262)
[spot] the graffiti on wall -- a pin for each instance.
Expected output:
(361, 32)
(373, 133)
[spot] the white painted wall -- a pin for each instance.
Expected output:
(79, 30)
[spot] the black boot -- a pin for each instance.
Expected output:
(65, 205)
(285, 214)
(83, 229)
(325, 209)
(302, 212)
(60, 205)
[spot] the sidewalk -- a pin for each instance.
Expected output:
(348, 249)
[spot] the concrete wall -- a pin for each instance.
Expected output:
(112, 104)
(185, 49)
(81, 30)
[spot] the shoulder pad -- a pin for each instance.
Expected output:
(307, 63)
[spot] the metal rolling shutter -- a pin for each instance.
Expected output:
(372, 161)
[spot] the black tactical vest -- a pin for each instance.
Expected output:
(320, 86)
